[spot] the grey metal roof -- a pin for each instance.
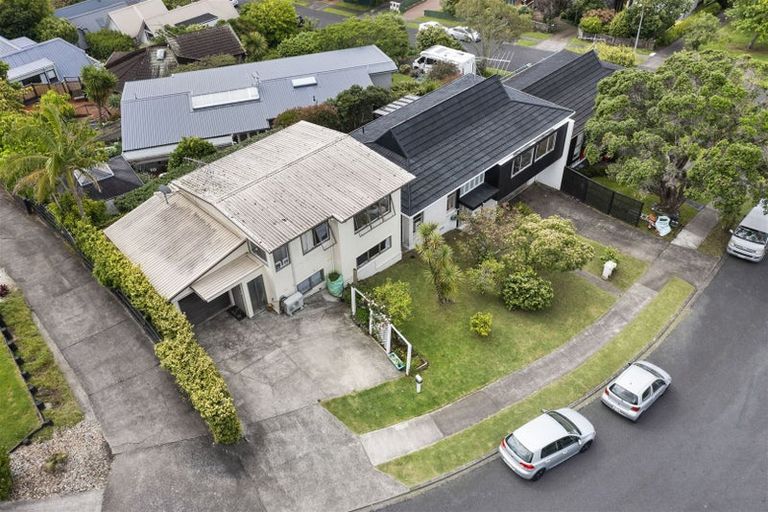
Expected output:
(279, 187)
(466, 128)
(7, 46)
(67, 58)
(566, 79)
(22, 42)
(158, 112)
(91, 14)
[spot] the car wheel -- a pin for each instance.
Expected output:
(538, 475)
(586, 447)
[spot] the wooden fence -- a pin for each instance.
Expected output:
(72, 87)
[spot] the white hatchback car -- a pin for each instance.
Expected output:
(636, 389)
(464, 34)
(430, 24)
(545, 442)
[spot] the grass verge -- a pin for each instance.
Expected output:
(716, 241)
(735, 43)
(340, 12)
(627, 272)
(19, 416)
(52, 387)
(480, 439)
(460, 362)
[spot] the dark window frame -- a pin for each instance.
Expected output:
(551, 137)
(257, 251)
(309, 280)
(366, 215)
(452, 203)
(281, 263)
(417, 223)
(518, 159)
(315, 237)
(380, 248)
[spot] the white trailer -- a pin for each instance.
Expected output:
(465, 62)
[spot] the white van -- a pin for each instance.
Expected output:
(464, 61)
(750, 238)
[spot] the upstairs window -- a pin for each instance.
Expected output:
(418, 220)
(373, 213)
(257, 251)
(546, 145)
(316, 236)
(522, 161)
(282, 257)
(451, 202)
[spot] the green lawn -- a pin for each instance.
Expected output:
(540, 36)
(735, 43)
(628, 271)
(480, 439)
(399, 77)
(18, 417)
(526, 42)
(38, 361)
(460, 362)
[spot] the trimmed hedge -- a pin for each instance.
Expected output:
(178, 352)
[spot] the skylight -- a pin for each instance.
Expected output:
(304, 81)
(225, 98)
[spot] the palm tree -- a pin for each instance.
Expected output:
(439, 258)
(56, 147)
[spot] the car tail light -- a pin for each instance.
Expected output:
(634, 408)
(606, 391)
(527, 466)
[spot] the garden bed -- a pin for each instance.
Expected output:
(461, 362)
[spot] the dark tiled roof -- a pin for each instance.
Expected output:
(124, 180)
(196, 45)
(452, 134)
(138, 65)
(198, 20)
(518, 57)
(566, 79)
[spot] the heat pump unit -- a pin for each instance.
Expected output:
(292, 303)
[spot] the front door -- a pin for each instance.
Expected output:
(257, 294)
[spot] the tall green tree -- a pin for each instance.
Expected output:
(20, 17)
(387, 31)
(751, 16)
(438, 256)
(356, 105)
(51, 27)
(256, 46)
(496, 21)
(102, 43)
(657, 16)
(303, 43)
(56, 147)
(276, 20)
(98, 84)
(702, 29)
(658, 128)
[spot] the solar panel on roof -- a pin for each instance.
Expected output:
(225, 98)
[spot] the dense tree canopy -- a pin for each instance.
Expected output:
(356, 105)
(495, 20)
(662, 129)
(701, 30)
(102, 43)
(751, 16)
(51, 27)
(190, 147)
(322, 115)
(435, 35)
(276, 20)
(657, 16)
(20, 17)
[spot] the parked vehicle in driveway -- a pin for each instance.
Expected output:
(750, 239)
(430, 24)
(546, 441)
(463, 34)
(636, 389)
(465, 62)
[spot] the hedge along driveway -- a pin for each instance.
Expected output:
(461, 362)
(480, 439)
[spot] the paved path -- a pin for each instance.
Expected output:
(89, 501)
(702, 446)
(559, 40)
(397, 440)
(697, 229)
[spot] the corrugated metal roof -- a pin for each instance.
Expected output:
(22, 42)
(279, 187)
(68, 58)
(6, 46)
(219, 281)
(173, 243)
(158, 112)
(33, 68)
(91, 15)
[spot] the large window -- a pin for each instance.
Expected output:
(472, 184)
(258, 251)
(281, 256)
(451, 203)
(418, 220)
(374, 251)
(374, 212)
(310, 282)
(315, 236)
(546, 145)
(522, 161)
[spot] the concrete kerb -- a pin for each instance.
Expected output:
(577, 404)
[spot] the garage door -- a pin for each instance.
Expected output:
(197, 310)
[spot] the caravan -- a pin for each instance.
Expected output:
(464, 62)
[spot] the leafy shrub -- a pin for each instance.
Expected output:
(702, 30)
(102, 43)
(485, 277)
(578, 8)
(443, 72)
(684, 26)
(207, 62)
(394, 298)
(6, 480)
(620, 55)
(527, 291)
(591, 25)
(619, 26)
(605, 15)
(190, 147)
(178, 352)
(433, 36)
(523, 209)
(322, 115)
(712, 8)
(51, 27)
(55, 462)
(481, 323)
(95, 211)
(610, 254)
(303, 43)
(419, 88)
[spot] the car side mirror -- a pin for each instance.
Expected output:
(730, 231)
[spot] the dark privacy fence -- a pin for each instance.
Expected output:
(601, 198)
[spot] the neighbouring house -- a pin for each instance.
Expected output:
(570, 80)
(146, 19)
(141, 64)
(51, 61)
(114, 178)
(470, 144)
(195, 46)
(90, 15)
(229, 104)
(270, 220)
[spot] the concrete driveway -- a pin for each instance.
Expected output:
(275, 364)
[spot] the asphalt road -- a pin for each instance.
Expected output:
(703, 445)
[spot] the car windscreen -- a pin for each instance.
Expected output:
(751, 235)
(517, 447)
(564, 422)
(650, 370)
(625, 395)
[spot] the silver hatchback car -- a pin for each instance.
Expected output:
(636, 389)
(545, 442)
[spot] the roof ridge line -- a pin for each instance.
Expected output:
(554, 70)
(541, 102)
